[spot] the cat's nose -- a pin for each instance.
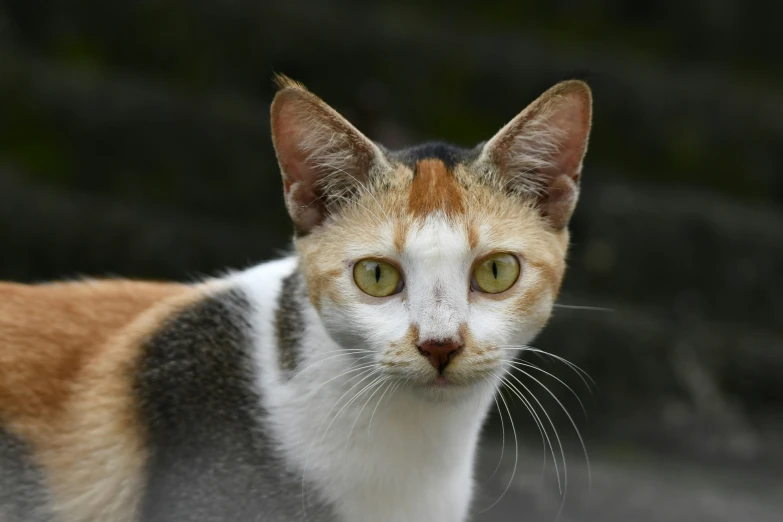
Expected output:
(439, 353)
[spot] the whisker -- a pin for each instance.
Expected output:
(348, 404)
(545, 439)
(391, 386)
(584, 307)
(400, 384)
(516, 364)
(579, 371)
(354, 202)
(564, 489)
(349, 370)
(342, 353)
(383, 379)
(367, 370)
(573, 424)
(554, 430)
(516, 456)
(363, 186)
(372, 372)
(503, 439)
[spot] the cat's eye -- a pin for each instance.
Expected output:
(377, 278)
(496, 273)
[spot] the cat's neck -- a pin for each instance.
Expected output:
(352, 432)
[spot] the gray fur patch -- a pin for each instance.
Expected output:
(23, 497)
(289, 323)
(449, 154)
(212, 460)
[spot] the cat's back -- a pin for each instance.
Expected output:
(67, 353)
(50, 332)
(130, 401)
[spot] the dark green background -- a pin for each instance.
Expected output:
(134, 141)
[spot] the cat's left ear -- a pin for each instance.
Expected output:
(324, 159)
(539, 153)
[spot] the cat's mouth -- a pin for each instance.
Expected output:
(445, 382)
(464, 371)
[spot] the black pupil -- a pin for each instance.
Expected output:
(495, 269)
(377, 273)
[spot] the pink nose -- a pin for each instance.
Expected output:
(439, 353)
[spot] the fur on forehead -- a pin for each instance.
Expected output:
(380, 222)
(405, 198)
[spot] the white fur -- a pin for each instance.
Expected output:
(391, 456)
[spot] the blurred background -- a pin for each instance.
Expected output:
(134, 142)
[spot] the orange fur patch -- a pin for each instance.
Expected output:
(49, 333)
(408, 341)
(552, 276)
(400, 232)
(525, 303)
(473, 235)
(434, 188)
(68, 353)
(321, 282)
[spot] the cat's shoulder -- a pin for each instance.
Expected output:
(75, 315)
(51, 333)
(98, 303)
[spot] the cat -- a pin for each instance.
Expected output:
(346, 382)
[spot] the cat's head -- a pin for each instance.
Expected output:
(439, 261)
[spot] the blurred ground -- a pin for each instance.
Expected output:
(632, 486)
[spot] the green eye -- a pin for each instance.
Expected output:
(496, 273)
(377, 278)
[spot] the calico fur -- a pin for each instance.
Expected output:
(284, 392)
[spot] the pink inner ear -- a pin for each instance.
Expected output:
(320, 154)
(540, 152)
(288, 135)
(289, 132)
(303, 205)
(561, 179)
(560, 200)
(299, 178)
(569, 119)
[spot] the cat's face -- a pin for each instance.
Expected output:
(438, 262)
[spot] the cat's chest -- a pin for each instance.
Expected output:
(394, 475)
(441, 500)
(383, 457)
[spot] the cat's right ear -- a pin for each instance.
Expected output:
(540, 152)
(323, 158)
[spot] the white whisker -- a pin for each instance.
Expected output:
(516, 456)
(368, 371)
(584, 307)
(516, 364)
(503, 438)
(354, 202)
(573, 424)
(367, 191)
(564, 489)
(391, 386)
(579, 371)
(545, 438)
(341, 353)
(337, 415)
(377, 383)
(349, 370)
